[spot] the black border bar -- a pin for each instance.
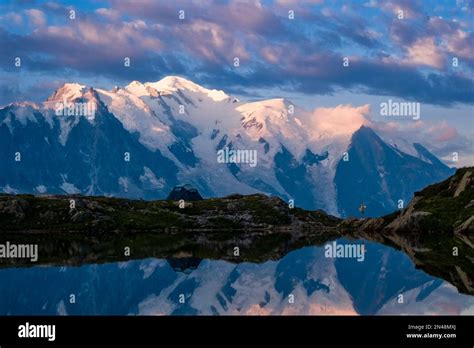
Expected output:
(224, 330)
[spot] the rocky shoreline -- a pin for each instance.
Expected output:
(20, 213)
(435, 230)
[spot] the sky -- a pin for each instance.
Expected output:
(403, 50)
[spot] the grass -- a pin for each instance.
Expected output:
(447, 212)
(105, 213)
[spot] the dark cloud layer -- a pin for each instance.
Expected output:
(409, 58)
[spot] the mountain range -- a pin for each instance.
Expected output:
(146, 138)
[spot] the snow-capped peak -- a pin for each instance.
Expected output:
(278, 111)
(175, 83)
(136, 87)
(172, 84)
(68, 91)
(298, 151)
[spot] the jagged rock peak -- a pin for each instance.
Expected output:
(185, 192)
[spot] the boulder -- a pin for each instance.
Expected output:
(185, 192)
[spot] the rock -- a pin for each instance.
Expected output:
(408, 222)
(470, 204)
(185, 205)
(49, 216)
(351, 223)
(185, 192)
(372, 224)
(234, 196)
(466, 231)
(463, 184)
(16, 207)
(93, 205)
(467, 226)
(81, 216)
(100, 219)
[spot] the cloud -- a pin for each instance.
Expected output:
(339, 120)
(298, 2)
(109, 13)
(37, 17)
(425, 52)
(271, 54)
(442, 132)
(404, 58)
(410, 8)
(438, 136)
(461, 45)
(12, 17)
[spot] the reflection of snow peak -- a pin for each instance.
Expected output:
(334, 250)
(227, 155)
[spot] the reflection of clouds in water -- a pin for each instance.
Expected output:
(253, 292)
(319, 286)
(468, 311)
(444, 300)
(250, 289)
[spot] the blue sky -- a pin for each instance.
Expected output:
(402, 50)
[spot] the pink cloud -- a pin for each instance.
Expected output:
(339, 120)
(298, 2)
(407, 7)
(36, 17)
(443, 132)
(109, 13)
(271, 54)
(424, 51)
(460, 44)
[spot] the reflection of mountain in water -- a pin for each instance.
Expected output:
(436, 229)
(278, 270)
(320, 285)
(382, 276)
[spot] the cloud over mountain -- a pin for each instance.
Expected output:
(409, 57)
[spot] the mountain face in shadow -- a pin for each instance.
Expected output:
(93, 160)
(380, 176)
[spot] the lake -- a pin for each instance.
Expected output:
(305, 281)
